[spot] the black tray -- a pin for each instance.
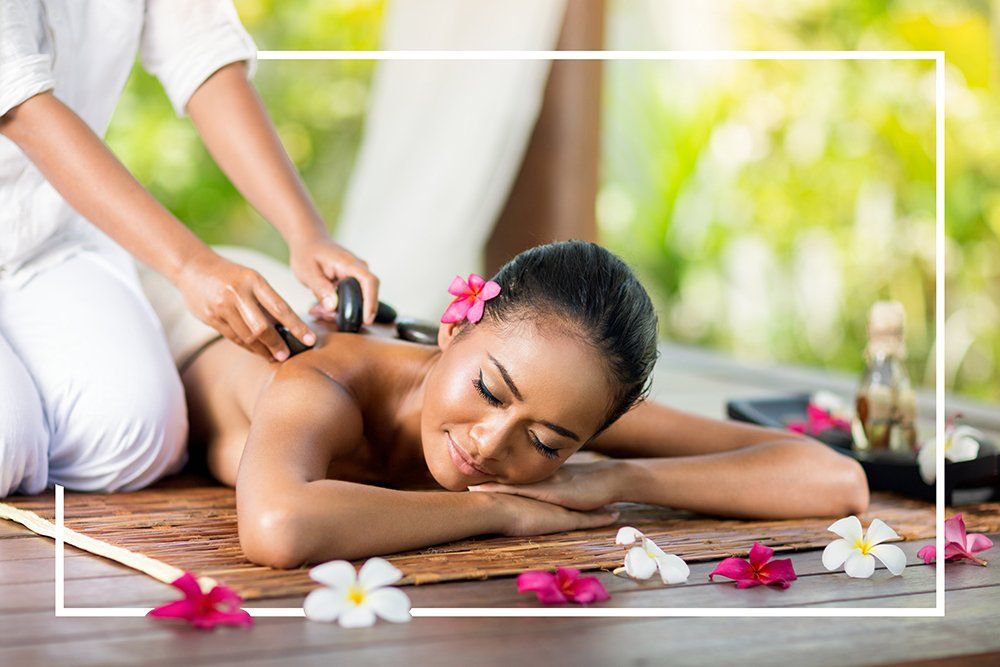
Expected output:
(977, 480)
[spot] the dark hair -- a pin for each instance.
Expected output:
(597, 292)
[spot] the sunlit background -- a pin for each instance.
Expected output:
(766, 204)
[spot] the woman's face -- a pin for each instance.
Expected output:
(509, 404)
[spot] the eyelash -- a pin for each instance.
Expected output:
(543, 449)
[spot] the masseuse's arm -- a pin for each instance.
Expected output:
(239, 134)
(677, 459)
(289, 513)
(232, 299)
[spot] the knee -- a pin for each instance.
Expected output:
(139, 430)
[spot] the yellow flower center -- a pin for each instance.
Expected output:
(356, 595)
(863, 547)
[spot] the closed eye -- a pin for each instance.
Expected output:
(544, 449)
(484, 392)
(540, 446)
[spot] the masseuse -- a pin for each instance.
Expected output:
(89, 396)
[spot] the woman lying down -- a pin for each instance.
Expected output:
(320, 447)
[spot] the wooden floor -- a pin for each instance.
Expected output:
(966, 635)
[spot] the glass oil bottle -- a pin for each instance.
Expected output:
(885, 418)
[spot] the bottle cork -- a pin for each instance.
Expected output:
(886, 325)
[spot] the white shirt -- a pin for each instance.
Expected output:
(83, 51)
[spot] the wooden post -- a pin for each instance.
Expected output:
(554, 195)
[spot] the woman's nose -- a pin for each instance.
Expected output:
(491, 440)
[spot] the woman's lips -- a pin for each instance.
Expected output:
(463, 461)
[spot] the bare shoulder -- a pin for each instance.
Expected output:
(308, 412)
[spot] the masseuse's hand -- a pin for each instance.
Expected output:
(524, 517)
(319, 263)
(238, 303)
(578, 486)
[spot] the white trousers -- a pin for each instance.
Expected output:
(89, 396)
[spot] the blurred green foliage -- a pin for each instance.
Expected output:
(769, 204)
(766, 204)
(318, 108)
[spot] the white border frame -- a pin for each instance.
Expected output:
(644, 612)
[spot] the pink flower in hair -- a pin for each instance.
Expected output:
(470, 298)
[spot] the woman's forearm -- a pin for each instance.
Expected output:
(781, 479)
(241, 138)
(330, 519)
(91, 179)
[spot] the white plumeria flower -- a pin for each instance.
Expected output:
(645, 558)
(857, 552)
(354, 599)
(961, 443)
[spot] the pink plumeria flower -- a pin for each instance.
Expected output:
(957, 544)
(470, 298)
(220, 606)
(566, 585)
(759, 570)
(857, 552)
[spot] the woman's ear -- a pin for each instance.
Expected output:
(447, 333)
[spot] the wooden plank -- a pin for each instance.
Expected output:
(970, 628)
(698, 642)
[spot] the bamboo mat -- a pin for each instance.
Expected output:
(190, 524)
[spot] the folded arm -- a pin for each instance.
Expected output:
(668, 457)
(289, 513)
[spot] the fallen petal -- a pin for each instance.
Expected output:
(543, 585)
(627, 535)
(377, 572)
(849, 528)
(186, 609)
(891, 556)
(977, 542)
(359, 616)
(859, 565)
(638, 564)
(759, 554)
(390, 603)
(928, 553)
(336, 574)
(954, 530)
(733, 568)
(673, 569)
(778, 572)
(836, 553)
(325, 605)
(588, 589)
(878, 532)
(189, 584)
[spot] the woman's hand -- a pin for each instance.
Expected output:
(525, 516)
(578, 486)
(238, 303)
(318, 263)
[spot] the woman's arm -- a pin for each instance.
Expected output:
(705, 465)
(239, 134)
(289, 513)
(230, 298)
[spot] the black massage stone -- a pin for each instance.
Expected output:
(350, 305)
(416, 331)
(295, 346)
